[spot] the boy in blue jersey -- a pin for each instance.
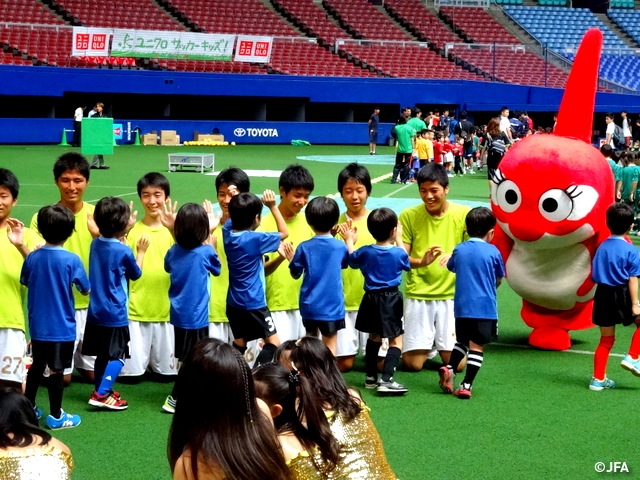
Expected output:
(479, 270)
(380, 312)
(615, 270)
(111, 265)
(49, 273)
(247, 310)
(321, 260)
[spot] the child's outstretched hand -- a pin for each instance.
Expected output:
(286, 250)
(214, 218)
(143, 243)
(348, 231)
(15, 232)
(92, 226)
(168, 213)
(269, 199)
(431, 254)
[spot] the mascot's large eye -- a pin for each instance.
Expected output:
(507, 195)
(555, 205)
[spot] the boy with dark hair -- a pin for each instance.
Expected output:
(428, 318)
(16, 242)
(151, 333)
(295, 187)
(107, 331)
(321, 260)
(229, 183)
(380, 312)
(71, 175)
(49, 274)
(479, 270)
(247, 310)
(615, 270)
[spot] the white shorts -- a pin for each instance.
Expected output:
(151, 347)
(288, 325)
(349, 337)
(429, 324)
(221, 331)
(13, 348)
(84, 362)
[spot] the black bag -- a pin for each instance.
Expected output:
(496, 146)
(618, 137)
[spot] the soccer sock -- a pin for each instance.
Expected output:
(457, 355)
(371, 351)
(56, 388)
(474, 362)
(99, 368)
(266, 355)
(114, 367)
(601, 356)
(240, 348)
(634, 348)
(390, 363)
(34, 379)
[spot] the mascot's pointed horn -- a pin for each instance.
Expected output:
(579, 96)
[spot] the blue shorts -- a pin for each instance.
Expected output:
(373, 136)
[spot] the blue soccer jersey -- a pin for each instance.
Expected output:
(190, 289)
(615, 262)
(321, 260)
(478, 266)
(49, 273)
(111, 266)
(244, 251)
(381, 265)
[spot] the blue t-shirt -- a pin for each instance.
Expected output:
(321, 259)
(111, 265)
(49, 274)
(190, 290)
(244, 251)
(381, 266)
(477, 265)
(615, 262)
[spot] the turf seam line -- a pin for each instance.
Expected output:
(580, 352)
(121, 195)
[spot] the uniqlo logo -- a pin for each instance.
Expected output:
(82, 41)
(262, 49)
(98, 41)
(246, 48)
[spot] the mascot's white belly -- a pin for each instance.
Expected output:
(549, 278)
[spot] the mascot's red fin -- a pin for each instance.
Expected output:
(575, 117)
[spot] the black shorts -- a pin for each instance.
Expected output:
(381, 313)
(58, 355)
(477, 330)
(493, 162)
(110, 342)
(250, 324)
(186, 339)
(327, 328)
(373, 137)
(612, 306)
(403, 159)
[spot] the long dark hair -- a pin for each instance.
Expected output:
(217, 419)
(293, 392)
(315, 361)
(18, 422)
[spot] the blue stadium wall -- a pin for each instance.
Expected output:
(20, 82)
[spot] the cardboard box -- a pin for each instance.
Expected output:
(149, 139)
(169, 137)
(214, 138)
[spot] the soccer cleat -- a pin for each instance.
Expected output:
(38, 412)
(628, 363)
(463, 391)
(169, 405)
(446, 377)
(391, 389)
(371, 382)
(599, 385)
(109, 401)
(66, 420)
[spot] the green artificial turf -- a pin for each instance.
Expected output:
(531, 415)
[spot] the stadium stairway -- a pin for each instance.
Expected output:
(615, 28)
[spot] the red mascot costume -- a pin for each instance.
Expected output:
(549, 195)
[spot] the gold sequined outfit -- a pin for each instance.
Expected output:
(35, 463)
(362, 455)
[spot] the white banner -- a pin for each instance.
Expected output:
(90, 42)
(168, 44)
(253, 49)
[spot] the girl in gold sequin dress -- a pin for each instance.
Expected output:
(26, 451)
